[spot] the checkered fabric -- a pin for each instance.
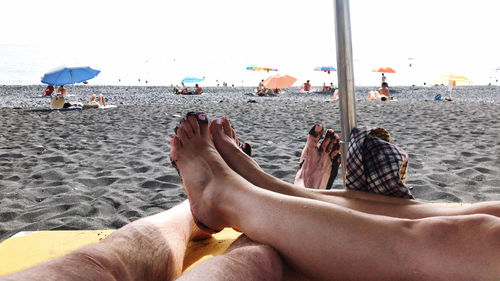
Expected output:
(376, 166)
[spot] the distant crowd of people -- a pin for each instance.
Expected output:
(50, 90)
(58, 99)
(183, 90)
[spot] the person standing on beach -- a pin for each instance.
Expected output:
(384, 79)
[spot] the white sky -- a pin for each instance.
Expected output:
(219, 38)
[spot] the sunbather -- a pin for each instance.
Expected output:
(61, 90)
(49, 90)
(99, 100)
(349, 234)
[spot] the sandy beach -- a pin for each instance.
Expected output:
(102, 168)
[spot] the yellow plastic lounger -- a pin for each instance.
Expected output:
(27, 249)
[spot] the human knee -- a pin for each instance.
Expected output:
(144, 251)
(262, 261)
(255, 257)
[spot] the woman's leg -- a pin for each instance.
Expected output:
(224, 139)
(326, 241)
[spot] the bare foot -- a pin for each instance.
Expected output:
(319, 163)
(204, 173)
(227, 144)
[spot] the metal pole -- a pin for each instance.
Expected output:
(345, 76)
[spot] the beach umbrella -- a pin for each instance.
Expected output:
(279, 81)
(325, 69)
(453, 80)
(190, 79)
(69, 75)
(456, 78)
(384, 70)
(260, 68)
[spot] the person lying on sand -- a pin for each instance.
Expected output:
(99, 100)
(349, 234)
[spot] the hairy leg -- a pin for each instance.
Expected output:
(341, 243)
(244, 260)
(152, 248)
(222, 135)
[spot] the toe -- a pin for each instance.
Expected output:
(315, 135)
(229, 131)
(335, 147)
(326, 144)
(186, 127)
(216, 127)
(203, 123)
(226, 126)
(247, 148)
(313, 138)
(192, 119)
(175, 144)
(180, 132)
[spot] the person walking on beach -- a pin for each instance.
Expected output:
(384, 79)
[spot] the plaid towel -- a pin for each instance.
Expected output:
(376, 166)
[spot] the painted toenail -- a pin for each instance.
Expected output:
(202, 117)
(218, 121)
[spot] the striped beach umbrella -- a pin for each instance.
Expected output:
(260, 68)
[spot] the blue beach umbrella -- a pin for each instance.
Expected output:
(190, 79)
(69, 75)
(325, 68)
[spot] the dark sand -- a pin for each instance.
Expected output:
(102, 168)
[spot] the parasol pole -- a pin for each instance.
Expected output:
(345, 76)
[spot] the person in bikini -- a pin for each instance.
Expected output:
(350, 234)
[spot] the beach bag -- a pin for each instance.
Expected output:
(376, 166)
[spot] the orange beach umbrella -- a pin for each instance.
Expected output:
(279, 81)
(385, 70)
